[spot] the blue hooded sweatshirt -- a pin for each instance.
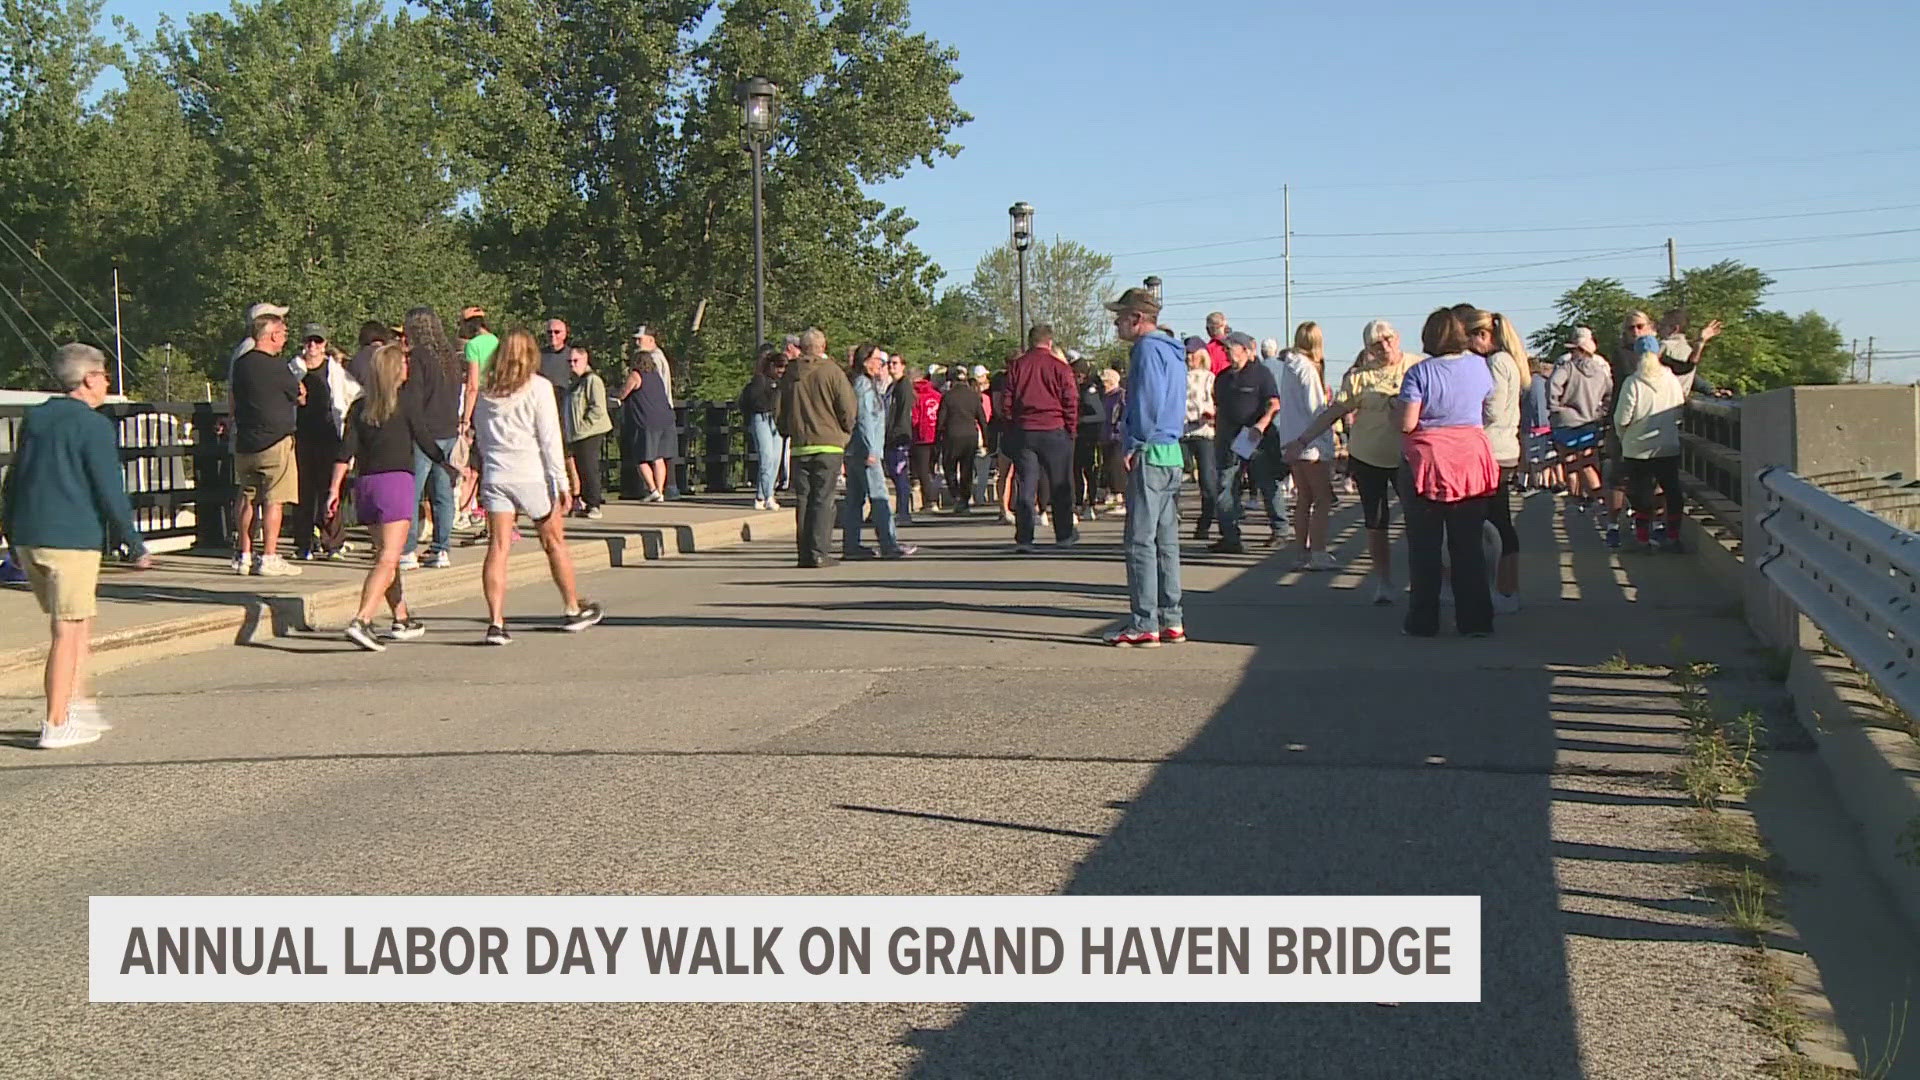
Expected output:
(1156, 393)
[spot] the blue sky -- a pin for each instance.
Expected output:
(1514, 148)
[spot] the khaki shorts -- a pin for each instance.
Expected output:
(63, 580)
(270, 476)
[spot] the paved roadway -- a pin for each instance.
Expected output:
(943, 725)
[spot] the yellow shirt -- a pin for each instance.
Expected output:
(1372, 434)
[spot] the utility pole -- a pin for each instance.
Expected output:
(1673, 263)
(1869, 358)
(166, 377)
(1853, 366)
(1286, 212)
(119, 358)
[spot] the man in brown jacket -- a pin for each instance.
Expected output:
(816, 410)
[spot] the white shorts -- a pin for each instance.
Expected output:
(533, 500)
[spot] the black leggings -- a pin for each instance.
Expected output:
(920, 461)
(1374, 483)
(1500, 513)
(1643, 473)
(1088, 481)
(960, 457)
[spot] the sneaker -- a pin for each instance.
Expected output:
(1072, 540)
(361, 634)
(438, 560)
(901, 552)
(337, 554)
(594, 514)
(859, 554)
(87, 714)
(759, 504)
(1224, 546)
(657, 497)
(1006, 517)
(1659, 532)
(773, 504)
(1506, 603)
(67, 734)
(1046, 519)
(1302, 560)
(1201, 533)
(242, 564)
(1023, 549)
(1382, 594)
(410, 561)
(577, 621)
(1174, 635)
(275, 566)
(406, 630)
(1320, 560)
(1134, 639)
(497, 635)
(1613, 537)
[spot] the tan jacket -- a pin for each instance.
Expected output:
(816, 406)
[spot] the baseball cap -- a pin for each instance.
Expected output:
(313, 330)
(1195, 344)
(258, 310)
(979, 370)
(1073, 356)
(474, 312)
(1138, 300)
(1242, 339)
(1583, 337)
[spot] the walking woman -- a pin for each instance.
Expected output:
(1113, 412)
(1303, 393)
(1197, 439)
(646, 424)
(1492, 337)
(897, 394)
(383, 432)
(588, 423)
(757, 401)
(1088, 439)
(1449, 476)
(1366, 401)
(435, 373)
(516, 429)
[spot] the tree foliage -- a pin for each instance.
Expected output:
(1066, 284)
(1758, 349)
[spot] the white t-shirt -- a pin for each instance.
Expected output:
(1302, 396)
(518, 437)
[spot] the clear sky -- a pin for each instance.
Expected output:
(1510, 149)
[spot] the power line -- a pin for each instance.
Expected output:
(1423, 280)
(104, 321)
(9, 294)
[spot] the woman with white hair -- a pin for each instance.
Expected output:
(1366, 401)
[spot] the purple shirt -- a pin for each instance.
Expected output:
(1451, 391)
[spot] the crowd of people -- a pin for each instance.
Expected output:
(497, 428)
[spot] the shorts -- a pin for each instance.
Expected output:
(1540, 446)
(533, 500)
(62, 579)
(384, 496)
(1374, 483)
(649, 445)
(270, 476)
(1577, 438)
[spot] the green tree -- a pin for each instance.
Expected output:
(623, 194)
(1066, 284)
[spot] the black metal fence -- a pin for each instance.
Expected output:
(1710, 445)
(179, 471)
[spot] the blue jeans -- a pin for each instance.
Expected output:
(1269, 468)
(1229, 476)
(1153, 546)
(895, 460)
(432, 481)
(866, 483)
(766, 443)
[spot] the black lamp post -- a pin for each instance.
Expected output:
(756, 98)
(1021, 214)
(1153, 286)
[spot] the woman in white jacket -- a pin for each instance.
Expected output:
(1491, 336)
(1303, 393)
(523, 465)
(1647, 418)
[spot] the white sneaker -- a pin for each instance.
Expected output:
(1320, 560)
(1302, 560)
(759, 504)
(242, 564)
(439, 560)
(275, 566)
(1383, 593)
(595, 514)
(87, 714)
(1046, 518)
(67, 734)
(410, 562)
(773, 504)
(1506, 603)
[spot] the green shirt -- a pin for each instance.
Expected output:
(480, 349)
(1167, 455)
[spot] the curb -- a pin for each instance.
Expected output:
(256, 618)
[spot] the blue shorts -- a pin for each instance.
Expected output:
(1577, 438)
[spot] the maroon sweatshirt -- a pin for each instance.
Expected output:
(1039, 394)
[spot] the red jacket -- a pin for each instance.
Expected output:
(1217, 349)
(926, 411)
(1039, 394)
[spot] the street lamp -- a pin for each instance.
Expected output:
(756, 97)
(1153, 286)
(1021, 215)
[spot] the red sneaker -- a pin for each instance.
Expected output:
(1134, 639)
(1173, 635)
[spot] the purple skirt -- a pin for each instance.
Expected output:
(383, 497)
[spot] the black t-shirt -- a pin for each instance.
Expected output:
(316, 416)
(388, 447)
(266, 395)
(1240, 397)
(558, 368)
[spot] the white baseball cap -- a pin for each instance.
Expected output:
(979, 370)
(258, 310)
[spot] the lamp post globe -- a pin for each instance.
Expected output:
(1153, 286)
(757, 98)
(1020, 222)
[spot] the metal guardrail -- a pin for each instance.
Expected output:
(1853, 573)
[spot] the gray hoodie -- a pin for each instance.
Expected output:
(1578, 390)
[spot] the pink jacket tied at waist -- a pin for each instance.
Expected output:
(1449, 464)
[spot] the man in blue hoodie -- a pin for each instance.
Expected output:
(63, 499)
(1155, 417)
